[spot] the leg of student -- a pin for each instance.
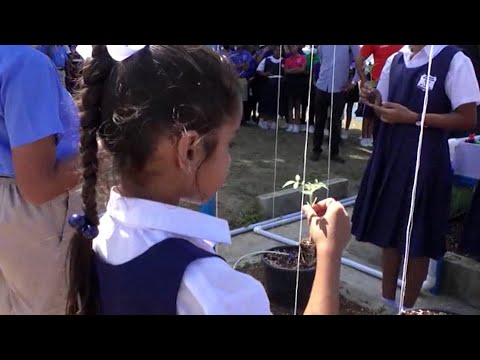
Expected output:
(298, 106)
(369, 129)
(348, 120)
(290, 110)
(391, 268)
(338, 106)
(321, 106)
(311, 109)
(416, 274)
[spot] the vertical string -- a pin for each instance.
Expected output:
(331, 122)
(414, 188)
(304, 175)
(276, 134)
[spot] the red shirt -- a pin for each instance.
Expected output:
(295, 62)
(380, 55)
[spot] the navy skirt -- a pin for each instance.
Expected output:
(383, 203)
(269, 97)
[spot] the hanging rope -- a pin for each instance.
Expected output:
(304, 176)
(276, 134)
(414, 188)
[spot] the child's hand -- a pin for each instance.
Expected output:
(394, 113)
(369, 95)
(329, 226)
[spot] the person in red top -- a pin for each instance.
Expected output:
(380, 55)
(295, 87)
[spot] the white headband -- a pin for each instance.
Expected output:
(117, 52)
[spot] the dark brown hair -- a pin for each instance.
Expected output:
(160, 90)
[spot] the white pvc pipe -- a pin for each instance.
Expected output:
(366, 269)
(265, 222)
(275, 237)
(277, 223)
(346, 202)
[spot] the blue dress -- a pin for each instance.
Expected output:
(149, 283)
(382, 208)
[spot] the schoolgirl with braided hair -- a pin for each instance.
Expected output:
(167, 114)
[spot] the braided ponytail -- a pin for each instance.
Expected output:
(82, 278)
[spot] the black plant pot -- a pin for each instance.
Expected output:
(280, 282)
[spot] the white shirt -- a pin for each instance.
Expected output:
(209, 286)
(461, 84)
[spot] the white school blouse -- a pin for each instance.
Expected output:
(461, 85)
(209, 286)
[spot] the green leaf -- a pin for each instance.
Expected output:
(288, 183)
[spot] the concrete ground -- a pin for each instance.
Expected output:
(355, 285)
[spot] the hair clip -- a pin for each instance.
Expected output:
(83, 226)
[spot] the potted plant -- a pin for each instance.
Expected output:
(281, 270)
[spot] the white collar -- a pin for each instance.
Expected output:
(181, 222)
(422, 57)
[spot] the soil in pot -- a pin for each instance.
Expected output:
(281, 275)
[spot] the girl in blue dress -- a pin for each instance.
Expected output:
(382, 208)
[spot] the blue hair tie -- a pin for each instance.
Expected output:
(84, 226)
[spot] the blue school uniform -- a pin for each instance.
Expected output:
(382, 207)
(33, 105)
(149, 283)
(154, 258)
(269, 93)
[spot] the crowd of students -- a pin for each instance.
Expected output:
(281, 83)
(151, 108)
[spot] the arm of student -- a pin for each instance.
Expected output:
(462, 118)
(211, 287)
(301, 69)
(261, 68)
(31, 110)
(329, 228)
(39, 175)
(324, 299)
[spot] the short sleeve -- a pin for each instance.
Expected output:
(211, 287)
(461, 85)
(31, 100)
(261, 66)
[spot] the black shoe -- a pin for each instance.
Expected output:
(315, 156)
(338, 159)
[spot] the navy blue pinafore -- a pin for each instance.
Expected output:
(382, 207)
(149, 283)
